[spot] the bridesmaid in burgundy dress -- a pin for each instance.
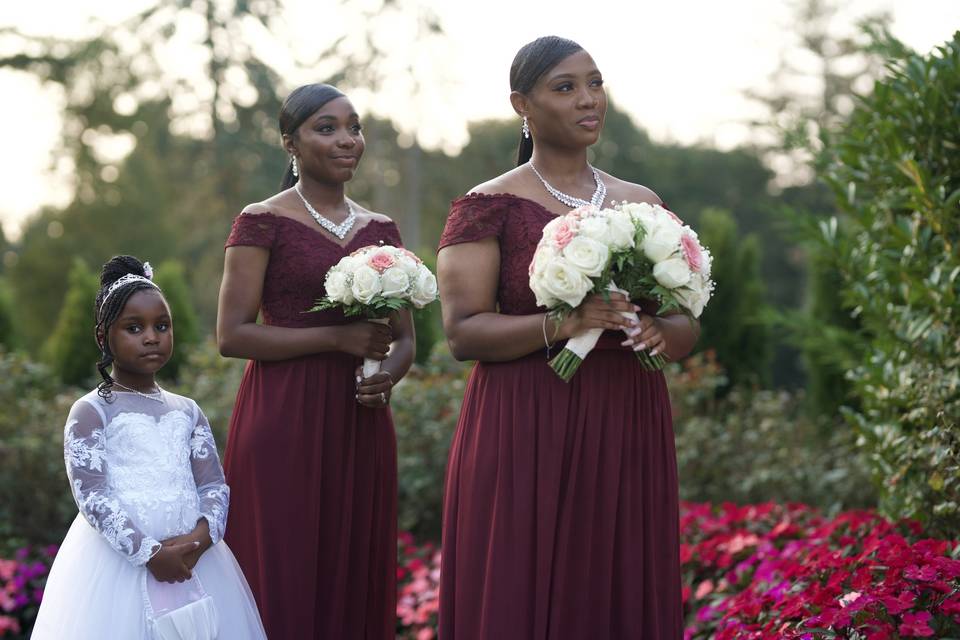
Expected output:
(561, 507)
(311, 454)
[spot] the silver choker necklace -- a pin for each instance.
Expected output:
(340, 230)
(156, 395)
(596, 199)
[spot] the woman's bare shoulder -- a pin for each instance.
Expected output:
(621, 190)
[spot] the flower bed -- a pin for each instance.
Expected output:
(770, 571)
(21, 588)
(759, 572)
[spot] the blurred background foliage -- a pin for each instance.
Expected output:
(827, 370)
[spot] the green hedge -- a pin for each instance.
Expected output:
(895, 171)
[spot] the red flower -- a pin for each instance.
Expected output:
(916, 624)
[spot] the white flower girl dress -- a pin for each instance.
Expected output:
(143, 468)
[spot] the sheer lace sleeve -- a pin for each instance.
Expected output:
(473, 217)
(253, 229)
(85, 455)
(208, 474)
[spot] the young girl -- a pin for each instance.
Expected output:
(142, 559)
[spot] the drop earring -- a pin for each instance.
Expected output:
(293, 167)
(525, 128)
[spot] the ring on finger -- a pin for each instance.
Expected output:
(383, 397)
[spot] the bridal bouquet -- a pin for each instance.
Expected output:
(374, 281)
(637, 249)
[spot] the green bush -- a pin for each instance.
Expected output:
(35, 501)
(212, 381)
(72, 348)
(427, 321)
(426, 405)
(895, 172)
(171, 279)
(6, 317)
(759, 445)
(733, 324)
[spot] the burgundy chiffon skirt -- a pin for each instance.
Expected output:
(313, 487)
(561, 508)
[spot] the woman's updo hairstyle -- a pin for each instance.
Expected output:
(529, 65)
(302, 103)
(106, 313)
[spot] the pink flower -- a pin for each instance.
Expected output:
(426, 634)
(8, 624)
(850, 598)
(916, 624)
(705, 589)
(7, 569)
(692, 252)
(564, 233)
(410, 254)
(381, 261)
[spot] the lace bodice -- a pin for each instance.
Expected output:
(143, 471)
(518, 224)
(300, 257)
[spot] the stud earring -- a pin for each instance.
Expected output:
(294, 168)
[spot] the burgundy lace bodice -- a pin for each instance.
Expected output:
(518, 224)
(299, 260)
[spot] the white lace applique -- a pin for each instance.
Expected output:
(200, 443)
(144, 472)
(85, 455)
(208, 474)
(81, 454)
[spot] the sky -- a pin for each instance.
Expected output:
(680, 68)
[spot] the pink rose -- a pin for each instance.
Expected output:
(564, 233)
(381, 261)
(582, 212)
(692, 252)
(410, 254)
(675, 217)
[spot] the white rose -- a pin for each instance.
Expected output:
(395, 282)
(694, 296)
(587, 255)
(337, 286)
(409, 265)
(595, 228)
(565, 282)
(622, 231)
(542, 258)
(349, 264)
(424, 289)
(544, 297)
(639, 211)
(662, 239)
(672, 273)
(366, 284)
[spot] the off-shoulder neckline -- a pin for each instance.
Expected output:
(318, 232)
(474, 195)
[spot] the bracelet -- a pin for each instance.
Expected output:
(556, 330)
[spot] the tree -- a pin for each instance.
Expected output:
(733, 324)
(71, 350)
(198, 146)
(895, 175)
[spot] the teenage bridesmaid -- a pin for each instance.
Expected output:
(311, 453)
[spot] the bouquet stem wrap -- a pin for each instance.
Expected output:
(566, 363)
(371, 366)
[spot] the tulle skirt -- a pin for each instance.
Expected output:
(93, 593)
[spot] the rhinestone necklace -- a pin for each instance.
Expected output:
(596, 199)
(340, 230)
(156, 396)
